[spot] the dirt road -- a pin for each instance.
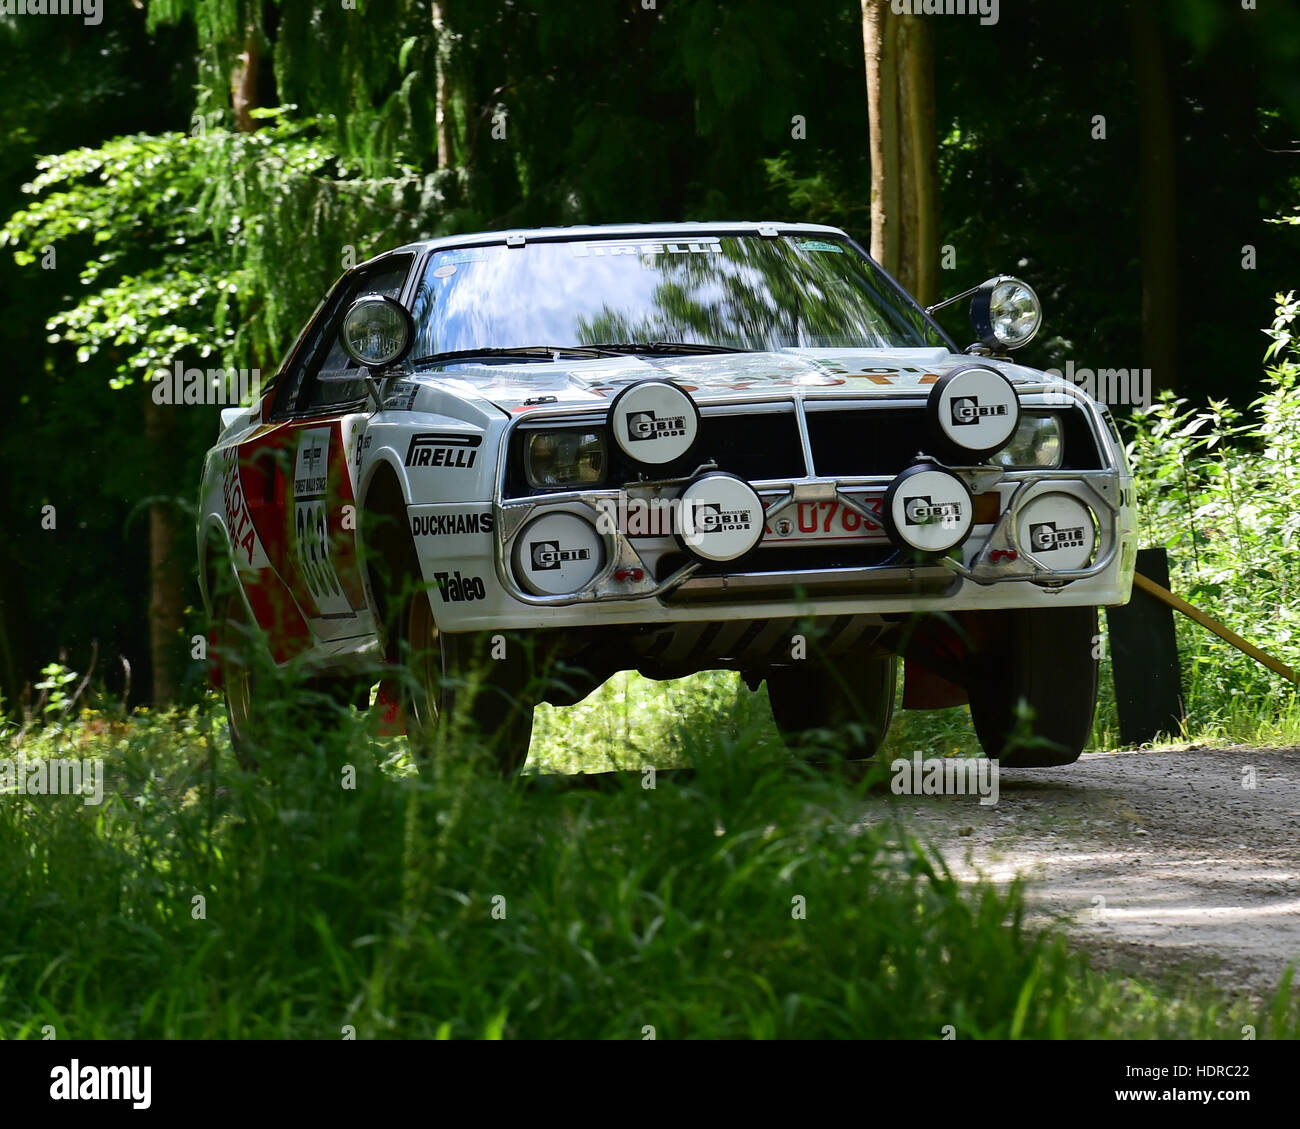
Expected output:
(1155, 862)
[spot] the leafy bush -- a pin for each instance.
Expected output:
(1219, 488)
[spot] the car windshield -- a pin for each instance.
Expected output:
(729, 291)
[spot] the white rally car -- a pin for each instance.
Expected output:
(495, 469)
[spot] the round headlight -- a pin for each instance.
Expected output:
(928, 509)
(1058, 531)
(654, 422)
(972, 413)
(558, 553)
(376, 331)
(1006, 313)
(721, 517)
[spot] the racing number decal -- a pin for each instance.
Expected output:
(311, 538)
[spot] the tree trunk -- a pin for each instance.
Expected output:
(882, 87)
(920, 265)
(442, 87)
(243, 84)
(1157, 188)
(899, 54)
(166, 574)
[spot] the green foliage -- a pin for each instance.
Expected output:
(451, 905)
(1218, 488)
(190, 237)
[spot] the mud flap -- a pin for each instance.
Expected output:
(389, 718)
(925, 690)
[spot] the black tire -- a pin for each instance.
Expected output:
(241, 679)
(455, 684)
(1041, 663)
(263, 702)
(853, 692)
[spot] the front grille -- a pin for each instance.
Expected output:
(847, 442)
(865, 441)
(886, 441)
(754, 446)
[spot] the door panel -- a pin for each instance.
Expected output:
(301, 498)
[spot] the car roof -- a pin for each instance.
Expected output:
(612, 230)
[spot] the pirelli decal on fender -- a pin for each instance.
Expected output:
(443, 449)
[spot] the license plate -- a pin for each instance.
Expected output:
(828, 522)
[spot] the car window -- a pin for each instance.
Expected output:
(288, 381)
(743, 291)
(325, 360)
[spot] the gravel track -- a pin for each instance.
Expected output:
(1155, 862)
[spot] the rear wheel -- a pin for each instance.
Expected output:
(239, 682)
(263, 701)
(1033, 687)
(854, 699)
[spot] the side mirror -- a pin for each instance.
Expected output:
(1004, 312)
(377, 332)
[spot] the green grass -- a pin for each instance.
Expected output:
(450, 904)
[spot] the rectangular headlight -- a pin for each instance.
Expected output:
(564, 459)
(1036, 443)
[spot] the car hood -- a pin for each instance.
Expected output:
(518, 387)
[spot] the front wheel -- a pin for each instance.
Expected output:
(469, 685)
(853, 698)
(1033, 686)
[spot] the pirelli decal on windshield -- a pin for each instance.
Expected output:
(443, 449)
(645, 247)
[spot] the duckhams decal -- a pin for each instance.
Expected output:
(451, 525)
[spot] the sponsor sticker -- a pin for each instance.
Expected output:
(818, 245)
(926, 511)
(645, 248)
(451, 525)
(443, 449)
(548, 555)
(239, 522)
(457, 589)
(309, 533)
(401, 397)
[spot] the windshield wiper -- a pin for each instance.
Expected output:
(668, 347)
(515, 352)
